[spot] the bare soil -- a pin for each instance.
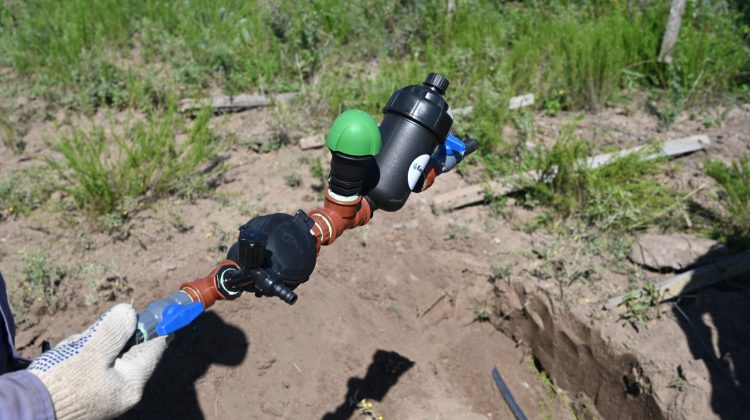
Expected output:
(389, 314)
(688, 360)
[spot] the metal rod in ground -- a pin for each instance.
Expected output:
(507, 395)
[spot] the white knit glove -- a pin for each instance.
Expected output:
(83, 375)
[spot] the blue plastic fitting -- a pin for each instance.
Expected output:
(454, 144)
(450, 153)
(152, 316)
(176, 316)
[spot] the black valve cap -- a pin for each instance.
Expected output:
(438, 82)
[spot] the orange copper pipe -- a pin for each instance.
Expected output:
(206, 289)
(337, 216)
(430, 174)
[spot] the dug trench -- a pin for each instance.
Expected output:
(600, 382)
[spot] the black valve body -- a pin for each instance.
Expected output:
(417, 118)
(290, 252)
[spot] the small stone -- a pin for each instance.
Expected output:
(675, 252)
(315, 141)
(266, 364)
(410, 225)
(273, 408)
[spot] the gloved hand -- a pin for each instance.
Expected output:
(83, 375)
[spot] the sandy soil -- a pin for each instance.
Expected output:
(361, 327)
(356, 331)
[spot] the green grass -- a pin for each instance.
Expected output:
(106, 172)
(293, 179)
(317, 172)
(734, 198)
(622, 196)
(8, 135)
(37, 288)
(24, 190)
(641, 305)
(353, 54)
(481, 314)
(572, 55)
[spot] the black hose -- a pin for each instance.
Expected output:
(507, 395)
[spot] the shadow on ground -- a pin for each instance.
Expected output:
(383, 373)
(716, 323)
(170, 393)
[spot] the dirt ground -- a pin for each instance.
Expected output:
(389, 314)
(685, 363)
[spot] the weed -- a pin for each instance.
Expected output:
(218, 238)
(102, 287)
(271, 145)
(563, 174)
(293, 180)
(481, 314)
(715, 119)
(177, 221)
(498, 203)
(665, 109)
(554, 265)
(109, 289)
(284, 125)
(317, 172)
(83, 242)
(249, 210)
(541, 221)
(37, 291)
(677, 383)
(456, 233)
(734, 198)
(8, 135)
(105, 173)
(501, 271)
(641, 305)
(553, 103)
(524, 124)
(115, 225)
(23, 191)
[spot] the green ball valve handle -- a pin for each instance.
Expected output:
(353, 140)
